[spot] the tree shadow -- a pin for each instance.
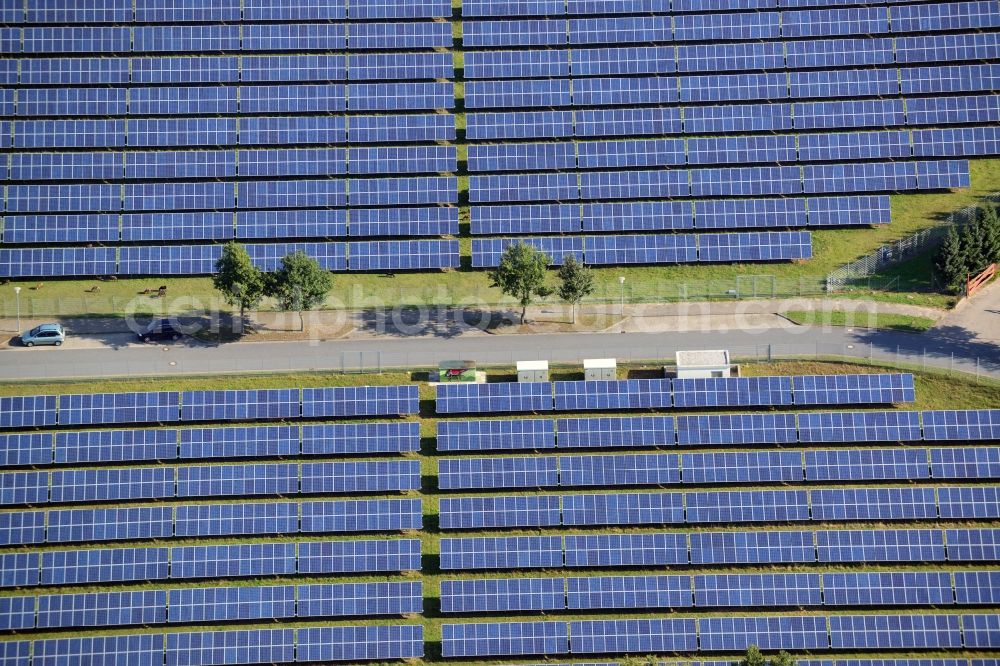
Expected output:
(439, 322)
(941, 342)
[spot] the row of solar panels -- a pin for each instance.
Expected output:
(918, 111)
(719, 548)
(663, 215)
(658, 249)
(821, 22)
(722, 506)
(160, 11)
(204, 648)
(214, 604)
(681, 393)
(138, 483)
(230, 100)
(721, 634)
(870, 82)
(200, 443)
(748, 56)
(663, 469)
(116, 565)
(776, 590)
(169, 406)
(669, 183)
(476, 8)
(198, 520)
(201, 259)
(254, 225)
(718, 429)
(298, 37)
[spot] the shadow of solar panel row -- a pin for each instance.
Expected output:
(700, 88)
(201, 443)
(658, 249)
(676, 215)
(163, 522)
(101, 485)
(680, 393)
(720, 548)
(723, 506)
(714, 468)
(214, 604)
(112, 565)
(719, 634)
(729, 181)
(724, 119)
(769, 590)
(169, 406)
(822, 22)
(255, 646)
(778, 55)
(249, 131)
(201, 259)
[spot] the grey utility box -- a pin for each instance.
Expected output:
(596, 369)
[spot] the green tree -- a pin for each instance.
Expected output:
(241, 283)
(299, 284)
(576, 282)
(521, 275)
(783, 659)
(973, 247)
(950, 261)
(990, 216)
(753, 657)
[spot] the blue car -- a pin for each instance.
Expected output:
(46, 334)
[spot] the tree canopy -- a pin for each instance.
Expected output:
(299, 284)
(576, 282)
(239, 281)
(521, 275)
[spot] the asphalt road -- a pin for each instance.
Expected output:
(948, 348)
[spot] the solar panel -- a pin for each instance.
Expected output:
(102, 609)
(537, 32)
(623, 509)
(227, 561)
(516, 64)
(969, 502)
(22, 527)
(360, 643)
(496, 397)
(848, 210)
(28, 411)
(235, 480)
(17, 613)
(409, 9)
(767, 632)
(105, 565)
(895, 631)
(221, 604)
(89, 485)
(360, 599)
(973, 545)
(177, 226)
(24, 488)
(530, 93)
(495, 435)
(880, 545)
(718, 429)
(487, 473)
(523, 187)
(521, 156)
(611, 394)
(239, 442)
(361, 516)
(757, 590)
(731, 391)
(973, 424)
(618, 550)
(83, 525)
(628, 592)
(627, 122)
(859, 427)
(637, 216)
(514, 8)
(348, 438)
(768, 547)
(866, 464)
(501, 552)
(99, 650)
(633, 636)
(60, 228)
(326, 557)
(196, 520)
(873, 504)
(749, 213)
(234, 647)
(19, 569)
(524, 218)
(619, 470)
(488, 252)
(30, 449)
(979, 631)
(852, 389)
(359, 401)
(502, 595)
(499, 511)
(606, 432)
(426, 221)
(519, 125)
(502, 639)
(913, 588)
(97, 408)
(403, 255)
(360, 477)
(747, 506)
(742, 467)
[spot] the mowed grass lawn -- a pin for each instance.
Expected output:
(831, 249)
